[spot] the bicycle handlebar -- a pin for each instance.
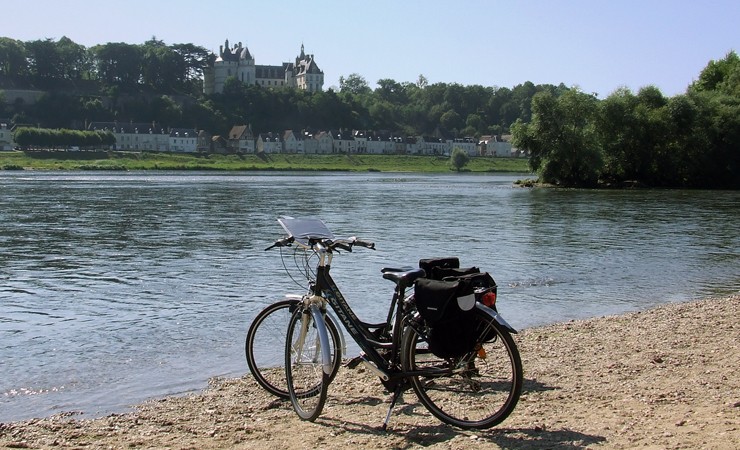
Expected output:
(343, 244)
(347, 244)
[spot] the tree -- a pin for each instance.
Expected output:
(196, 60)
(717, 74)
(73, 59)
(459, 158)
(44, 62)
(451, 120)
(162, 68)
(13, 62)
(391, 91)
(354, 84)
(562, 138)
(422, 81)
(118, 64)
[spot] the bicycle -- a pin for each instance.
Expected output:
(475, 388)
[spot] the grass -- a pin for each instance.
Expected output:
(172, 161)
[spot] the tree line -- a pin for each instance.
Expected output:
(689, 140)
(53, 65)
(163, 83)
(574, 137)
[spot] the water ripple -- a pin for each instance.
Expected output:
(120, 287)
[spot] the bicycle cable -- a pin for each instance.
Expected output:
(304, 271)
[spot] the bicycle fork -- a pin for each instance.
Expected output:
(322, 347)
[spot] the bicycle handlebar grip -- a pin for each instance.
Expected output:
(366, 244)
(342, 245)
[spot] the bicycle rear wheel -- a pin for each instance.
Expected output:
(265, 346)
(307, 382)
(478, 390)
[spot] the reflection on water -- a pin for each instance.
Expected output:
(120, 287)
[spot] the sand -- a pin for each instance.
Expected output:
(663, 378)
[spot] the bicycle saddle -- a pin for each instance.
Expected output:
(405, 278)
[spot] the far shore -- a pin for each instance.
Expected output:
(661, 378)
(110, 160)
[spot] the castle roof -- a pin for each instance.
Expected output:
(235, 54)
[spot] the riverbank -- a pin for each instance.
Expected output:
(662, 378)
(80, 160)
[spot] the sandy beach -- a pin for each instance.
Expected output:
(661, 378)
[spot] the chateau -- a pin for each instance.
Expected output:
(239, 63)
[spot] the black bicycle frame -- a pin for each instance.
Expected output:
(328, 289)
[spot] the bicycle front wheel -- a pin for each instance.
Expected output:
(478, 390)
(305, 377)
(265, 344)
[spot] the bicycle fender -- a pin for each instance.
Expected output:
(342, 340)
(318, 319)
(496, 316)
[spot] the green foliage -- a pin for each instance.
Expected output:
(354, 84)
(459, 158)
(562, 138)
(13, 63)
(690, 140)
(722, 75)
(62, 138)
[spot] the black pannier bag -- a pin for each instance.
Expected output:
(448, 263)
(453, 331)
(441, 268)
(442, 273)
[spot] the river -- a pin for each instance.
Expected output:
(120, 287)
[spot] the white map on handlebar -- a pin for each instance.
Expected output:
(304, 228)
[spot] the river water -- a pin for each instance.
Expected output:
(119, 287)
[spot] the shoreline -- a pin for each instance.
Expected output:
(662, 378)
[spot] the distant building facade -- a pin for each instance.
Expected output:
(238, 62)
(6, 136)
(148, 136)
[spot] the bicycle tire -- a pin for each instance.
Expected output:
(478, 390)
(264, 347)
(307, 382)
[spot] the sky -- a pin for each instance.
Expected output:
(597, 46)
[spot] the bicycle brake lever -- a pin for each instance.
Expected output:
(282, 243)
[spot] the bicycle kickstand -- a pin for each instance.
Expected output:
(396, 393)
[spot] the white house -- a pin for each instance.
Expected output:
(292, 142)
(361, 138)
(343, 142)
(269, 143)
(430, 145)
(468, 145)
(494, 146)
(310, 144)
(6, 137)
(382, 144)
(325, 142)
(136, 136)
(183, 140)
